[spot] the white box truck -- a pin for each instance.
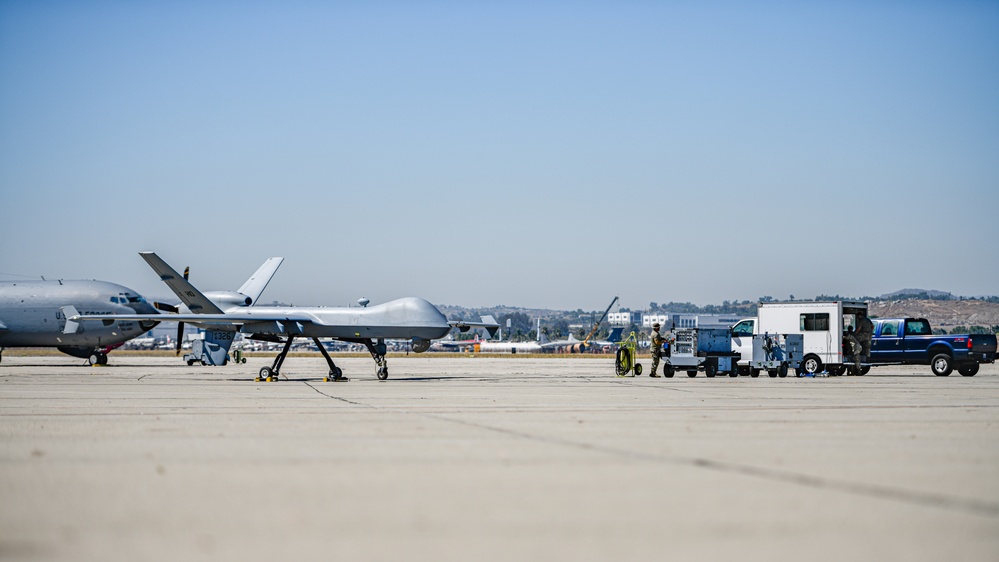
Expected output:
(822, 325)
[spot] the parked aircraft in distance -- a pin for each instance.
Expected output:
(409, 318)
(34, 314)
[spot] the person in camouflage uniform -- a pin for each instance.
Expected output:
(657, 348)
(854, 347)
(864, 333)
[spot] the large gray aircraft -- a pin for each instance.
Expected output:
(410, 318)
(34, 314)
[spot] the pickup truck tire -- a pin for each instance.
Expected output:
(968, 369)
(811, 364)
(942, 364)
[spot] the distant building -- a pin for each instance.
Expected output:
(690, 320)
(621, 318)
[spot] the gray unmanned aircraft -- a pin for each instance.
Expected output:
(409, 318)
(34, 314)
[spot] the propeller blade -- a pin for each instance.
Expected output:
(180, 335)
(166, 307)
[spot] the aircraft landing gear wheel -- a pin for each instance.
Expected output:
(382, 373)
(265, 374)
(97, 359)
(335, 375)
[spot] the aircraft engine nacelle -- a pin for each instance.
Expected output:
(228, 299)
(420, 345)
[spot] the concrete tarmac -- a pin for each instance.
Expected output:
(479, 458)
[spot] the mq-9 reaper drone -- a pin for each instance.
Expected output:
(409, 318)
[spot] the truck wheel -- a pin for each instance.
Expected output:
(754, 372)
(968, 369)
(942, 365)
(811, 365)
(691, 374)
(710, 370)
(782, 370)
(865, 369)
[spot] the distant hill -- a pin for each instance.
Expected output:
(919, 294)
(944, 314)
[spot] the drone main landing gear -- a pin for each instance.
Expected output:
(336, 374)
(270, 374)
(377, 351)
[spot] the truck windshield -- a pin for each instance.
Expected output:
(917, 328)
(744, 328)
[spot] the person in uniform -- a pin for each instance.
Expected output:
(864, 333)
(657, 348)
(853, 348)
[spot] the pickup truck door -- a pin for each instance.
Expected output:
(915, 339)
(886, 346)
(742, 340)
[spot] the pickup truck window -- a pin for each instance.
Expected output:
(814, 322)
(889, 328)
(742, 329)
(917, 328)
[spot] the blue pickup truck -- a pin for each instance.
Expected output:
(910, 340)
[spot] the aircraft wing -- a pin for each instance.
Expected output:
(221, 319)
(487, 322)
(185, 291)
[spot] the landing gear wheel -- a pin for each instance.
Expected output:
(811, 365)
(969, 370)
(638, 369)
(382, 373)
(782, 370)
(942, 365)
(265, 374)
(336, 374)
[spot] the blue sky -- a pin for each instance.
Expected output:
(548, 154)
